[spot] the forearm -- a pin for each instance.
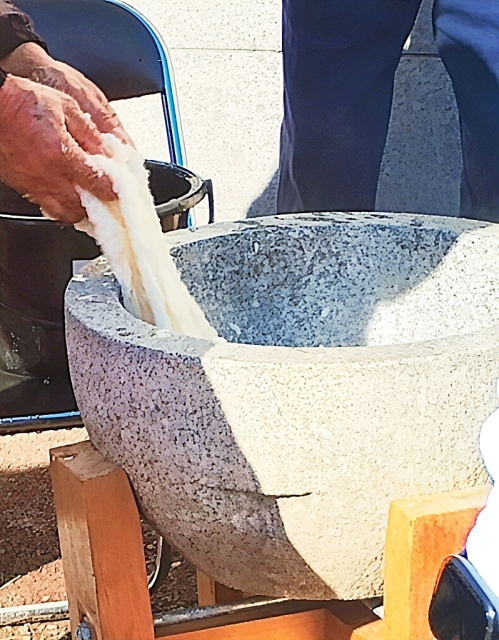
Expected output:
(27, 57)
(24, 59)
(21, 48)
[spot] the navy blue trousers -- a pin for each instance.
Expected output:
(340, 58)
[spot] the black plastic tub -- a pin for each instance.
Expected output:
(37, 259)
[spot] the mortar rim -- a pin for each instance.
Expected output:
(130, 331)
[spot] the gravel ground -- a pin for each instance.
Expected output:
(30, 565)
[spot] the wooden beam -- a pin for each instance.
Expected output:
(101, 545)
(309, 625)
(289, 620)
(421, 532)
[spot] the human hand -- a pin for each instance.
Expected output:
(90, 98)
(29, 60)
(44, 141)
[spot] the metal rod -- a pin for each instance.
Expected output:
(202, 613)
(34, 613)
(59, 610)
(40, 422)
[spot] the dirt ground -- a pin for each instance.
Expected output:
(30, 565)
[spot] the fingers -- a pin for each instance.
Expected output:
(59, 199)
(84, 138)
(89, 97)
(64, 207)
(81, 127)
(107, 121)
(81, 173)
(79, 138)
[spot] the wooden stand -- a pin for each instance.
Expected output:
(104, 567)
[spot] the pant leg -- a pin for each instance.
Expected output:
(339, 58)
(468, 41)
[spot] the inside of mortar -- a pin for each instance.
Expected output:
(340, 284)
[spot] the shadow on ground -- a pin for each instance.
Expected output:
(27, 523)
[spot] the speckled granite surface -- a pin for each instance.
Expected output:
(271, 468)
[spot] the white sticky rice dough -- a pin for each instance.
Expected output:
(130, 236)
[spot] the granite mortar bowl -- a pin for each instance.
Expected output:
(361, 358)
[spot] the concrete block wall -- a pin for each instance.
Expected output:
(227, 63)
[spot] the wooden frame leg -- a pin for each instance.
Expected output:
(422, 531)
(101, 544)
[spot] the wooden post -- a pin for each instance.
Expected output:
(101, 545)
(212, 592)
(422, 531)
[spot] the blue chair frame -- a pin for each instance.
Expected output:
(168, 91)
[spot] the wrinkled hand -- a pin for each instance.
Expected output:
(29, 60)
(62, 77)
(44, 138)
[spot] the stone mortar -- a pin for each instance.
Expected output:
(361, 358)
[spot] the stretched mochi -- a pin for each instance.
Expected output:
(129, 234)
